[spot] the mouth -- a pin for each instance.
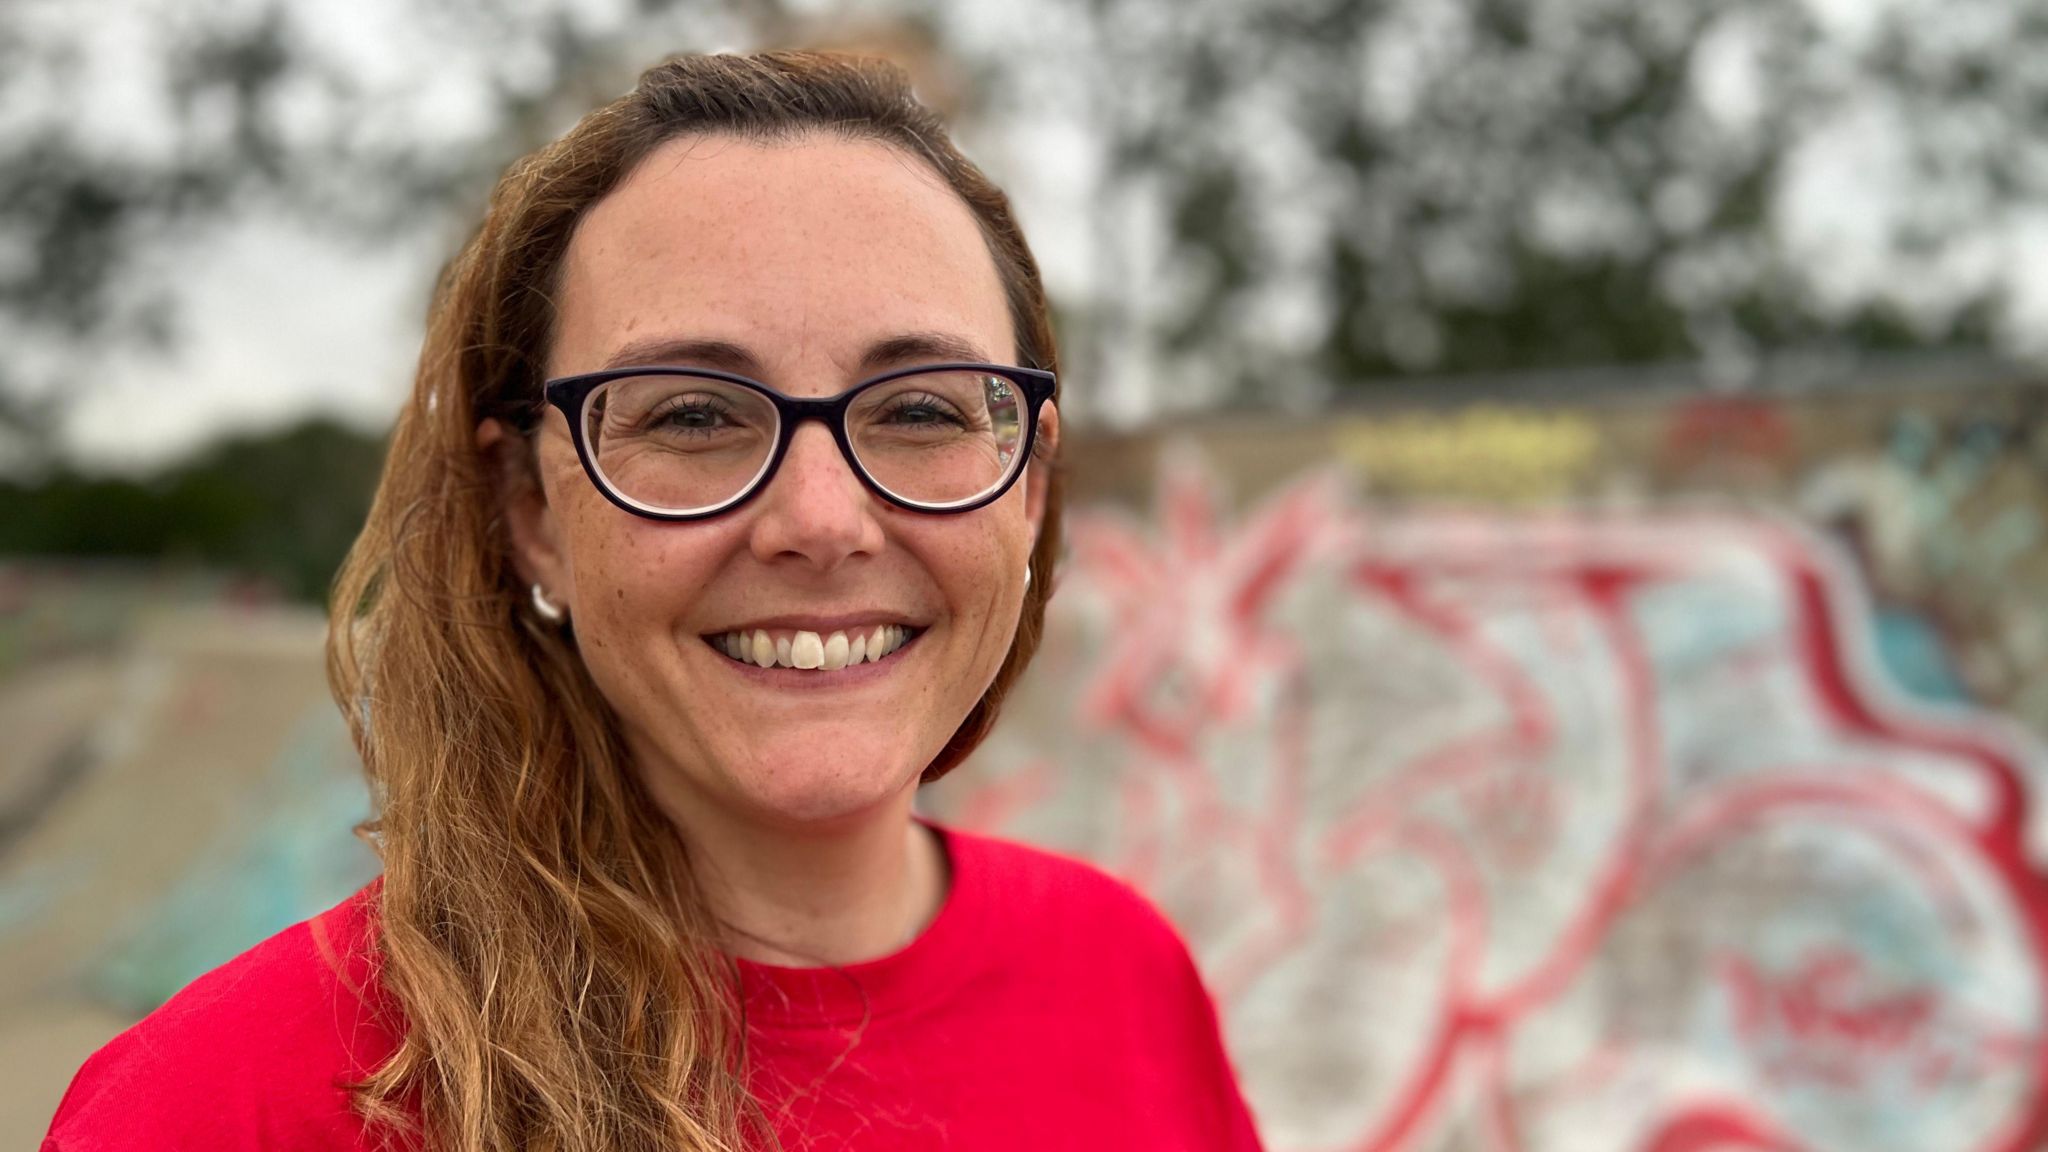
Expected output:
(808, 651)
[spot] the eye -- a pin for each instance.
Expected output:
(921, 408)
(697, 414)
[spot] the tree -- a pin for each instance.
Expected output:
(1355, 190)
(283, 507)
(1295, 194)
(126, 135)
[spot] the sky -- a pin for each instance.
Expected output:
(277, 323)
(279, 319)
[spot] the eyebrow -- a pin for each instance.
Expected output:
(890, 352)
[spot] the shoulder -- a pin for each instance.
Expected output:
(255, 1053)
(1055, 897)
(1113, 960)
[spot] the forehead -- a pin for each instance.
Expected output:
(812, 248)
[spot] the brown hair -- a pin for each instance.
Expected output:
(556, 974)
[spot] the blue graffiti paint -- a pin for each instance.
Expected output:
(299, 859)
(1917, 657)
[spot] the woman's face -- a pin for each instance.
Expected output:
(812, 265)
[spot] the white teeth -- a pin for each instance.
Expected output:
(809, 650)
(806, 650)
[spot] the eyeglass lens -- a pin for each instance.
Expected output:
(686, 443)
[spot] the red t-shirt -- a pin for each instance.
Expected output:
(1046, 1006)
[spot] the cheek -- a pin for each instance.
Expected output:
(632, 589)
(983, 573)
(634, 577)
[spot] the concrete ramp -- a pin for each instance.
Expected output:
(162, 808)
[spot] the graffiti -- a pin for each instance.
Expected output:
(212, 733)
(1537, 832)
(1717, 439)
(250, 881)
(1944, 513)
(1823, 1023)
(1543, 832)
(1708, 426)
(1487, 452)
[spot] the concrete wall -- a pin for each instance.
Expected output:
(1546, 830)
(1529, 777)
(1637, 771)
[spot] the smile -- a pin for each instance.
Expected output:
(797, 648)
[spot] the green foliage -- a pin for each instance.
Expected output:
(282, 507)
(1491, 186)
(1449, 185)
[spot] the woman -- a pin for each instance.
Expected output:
(722, 514)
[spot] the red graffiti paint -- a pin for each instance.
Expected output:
(1547, 832)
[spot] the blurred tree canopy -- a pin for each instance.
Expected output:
(1288, 196)
(1367, 190)
(1366, 187)
(283, 507)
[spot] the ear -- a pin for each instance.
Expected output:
(1038, 479)
(537, 553)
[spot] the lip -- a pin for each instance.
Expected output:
(822, 625)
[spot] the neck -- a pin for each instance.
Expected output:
(855, 890)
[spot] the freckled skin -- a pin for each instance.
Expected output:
(805, 253)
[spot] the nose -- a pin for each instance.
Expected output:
(814, 507)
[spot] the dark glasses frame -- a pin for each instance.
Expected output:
(571, 395)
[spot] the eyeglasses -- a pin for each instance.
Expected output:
(673, 443)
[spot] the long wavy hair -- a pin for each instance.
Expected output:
(558, 981)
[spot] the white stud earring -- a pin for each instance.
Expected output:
(547, 609)
(1027, 577)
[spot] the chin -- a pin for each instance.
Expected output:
(821, 783)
